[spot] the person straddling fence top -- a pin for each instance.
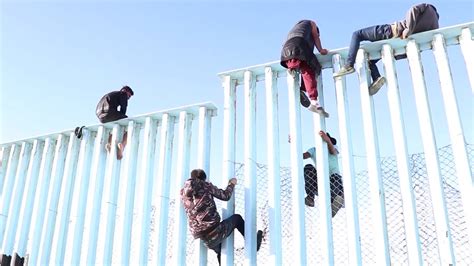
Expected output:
(310, 175)
(297, 54)
(204, 221)
(107, 111)
(419, 18)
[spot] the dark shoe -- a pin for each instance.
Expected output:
(259, 239)
(309, 201)
(304, 100)
(344, 71)
(78, 132)
(376, 85)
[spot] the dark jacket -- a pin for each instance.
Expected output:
(299, 45)
(109, 103)
(198, 200)
(419, 18)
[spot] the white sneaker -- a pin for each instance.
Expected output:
(317, 108)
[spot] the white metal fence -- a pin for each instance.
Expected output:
(66, 201)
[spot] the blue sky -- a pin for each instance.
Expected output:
(58, 58)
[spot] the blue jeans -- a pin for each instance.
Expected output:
(374, 33)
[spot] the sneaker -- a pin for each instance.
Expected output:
(119, 151)
(304, 100)
(309, 201)
(376, 85)
(259, 238)
(344, 71)
(317, 108)
(107, 147)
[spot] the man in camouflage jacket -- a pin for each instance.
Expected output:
(205, 223)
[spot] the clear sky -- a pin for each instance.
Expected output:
(59, 57)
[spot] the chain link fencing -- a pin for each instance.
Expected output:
(394, 209)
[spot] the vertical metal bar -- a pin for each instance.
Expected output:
(445, 245)
(80, 200)
(203, 162)
(6, 196)
(401, 149)
(66, 193)
(467, 49)
(80, 169)
(348, 172)
(273, 155)
(3, 166)
(324, 188)
(32, 202)
(184, 147)
(10, 212)
(58, 204)
(49, 230)
(26, 208)
(27, 168)
(112, 175)
(98, 172)
(373, 162)
(456, 133)
(10, 171)
(57, 170)
(228, 167)
(297, 179)
(130, 170)
(80, 197)
(164, 174)
(250, 158)
(148, 157)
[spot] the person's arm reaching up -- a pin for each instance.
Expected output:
(317, 40)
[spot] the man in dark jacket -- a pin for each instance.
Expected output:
(107, 111)
(204, 221)
(419, 18)
(297, 54)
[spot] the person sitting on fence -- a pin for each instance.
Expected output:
(204, 221)
(107, 111)
(311, 178)
(297, 54)
(419, 18)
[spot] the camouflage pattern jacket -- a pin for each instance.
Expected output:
(198, 200)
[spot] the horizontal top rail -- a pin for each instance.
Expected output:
(191, 109)
(423, 39)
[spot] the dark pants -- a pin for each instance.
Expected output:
(374, 33)
(308, 77)
(109, 117)
(213, 240)
(311, 183)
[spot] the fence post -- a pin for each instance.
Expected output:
(456, 133)
(228, 154)
(273, 154)
(373, 161)
(440, 210)
(297, 179)
(401, 149)
(348, 173)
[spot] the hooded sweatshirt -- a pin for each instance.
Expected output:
(419, 18)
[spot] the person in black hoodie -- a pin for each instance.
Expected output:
(419, 18)
(108, 110)
(297, 54)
